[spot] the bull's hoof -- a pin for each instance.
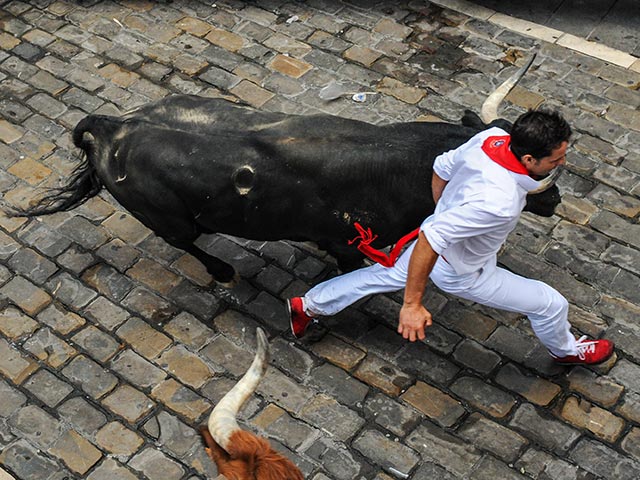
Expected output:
(228, 284)
(314, 333)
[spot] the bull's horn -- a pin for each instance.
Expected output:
(548, 181)
(222, 420)
(489, 111)
(87, 138)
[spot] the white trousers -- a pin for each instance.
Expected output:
(495, 287)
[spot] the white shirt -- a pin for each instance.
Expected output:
(479, 207)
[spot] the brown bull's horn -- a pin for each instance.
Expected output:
(222, 420)
(489, 110)
(547, 182)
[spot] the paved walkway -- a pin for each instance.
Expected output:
(613, 37)
(113, 350)
(615, 23)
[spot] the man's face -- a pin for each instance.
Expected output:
(538, 168)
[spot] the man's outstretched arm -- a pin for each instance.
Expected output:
(437, 186)
(414, 317)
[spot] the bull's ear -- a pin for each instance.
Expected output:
(501, 123)
(214, 450)
(473, 120)
(206, 436)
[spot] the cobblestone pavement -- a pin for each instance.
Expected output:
(113, 350)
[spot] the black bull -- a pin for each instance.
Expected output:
(186, 166)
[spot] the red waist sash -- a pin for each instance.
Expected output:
(386, 260)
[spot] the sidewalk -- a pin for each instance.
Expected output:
(114, 347)
(613, 30)
(615, 23)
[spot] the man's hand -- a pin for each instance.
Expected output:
(413, 316)
(413, 319)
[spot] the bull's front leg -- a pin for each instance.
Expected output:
(347, 256)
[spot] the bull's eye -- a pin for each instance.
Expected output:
(244, 179)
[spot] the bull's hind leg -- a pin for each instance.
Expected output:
(222, 272)
(178, 231)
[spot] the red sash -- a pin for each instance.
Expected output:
(367, 236)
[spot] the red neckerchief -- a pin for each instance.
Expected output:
(497, 149)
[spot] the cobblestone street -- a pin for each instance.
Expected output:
(114, 346)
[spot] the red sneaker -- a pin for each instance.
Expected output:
(298, 319)
(590, 352)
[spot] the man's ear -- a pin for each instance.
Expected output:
(528, 160)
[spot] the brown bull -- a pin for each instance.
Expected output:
(241, 455)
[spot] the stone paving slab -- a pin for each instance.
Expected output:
(613, 23)
(114, 347)
(608, 32)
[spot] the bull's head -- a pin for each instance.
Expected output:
(240, 455)
(543, 203)
(489, 114)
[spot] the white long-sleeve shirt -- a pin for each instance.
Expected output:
(479, 207)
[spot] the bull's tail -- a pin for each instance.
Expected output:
(84, 182)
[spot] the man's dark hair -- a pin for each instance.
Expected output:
(538, 132)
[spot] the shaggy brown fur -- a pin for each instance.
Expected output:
(249, 458)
